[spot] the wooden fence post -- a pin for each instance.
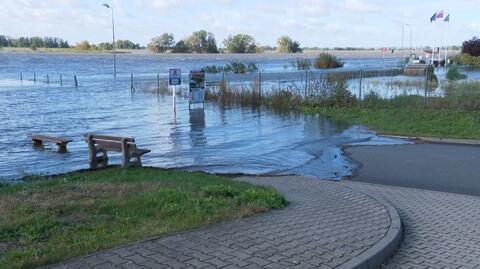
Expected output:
(132, 89)
(76, 82)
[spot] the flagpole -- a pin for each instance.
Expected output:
(446, 39)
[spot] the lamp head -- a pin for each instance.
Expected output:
(106, 5)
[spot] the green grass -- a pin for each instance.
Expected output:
(445, 123)
(46, 221)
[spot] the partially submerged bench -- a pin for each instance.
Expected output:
(61, 142)
(101, 144)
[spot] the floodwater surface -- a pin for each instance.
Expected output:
(210, 138)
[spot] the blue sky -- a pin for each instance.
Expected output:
(322, 23)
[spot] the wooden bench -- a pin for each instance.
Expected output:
(61, 142)
(101, 144)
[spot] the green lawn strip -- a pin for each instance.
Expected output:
(46, 221)
(409, 121)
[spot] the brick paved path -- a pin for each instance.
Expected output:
(325, 225)
(441, 230)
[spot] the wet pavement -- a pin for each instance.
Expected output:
(438, 167)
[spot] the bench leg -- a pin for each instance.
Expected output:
(37, 143)
(62, 148)
(138, 161)
(125, 154)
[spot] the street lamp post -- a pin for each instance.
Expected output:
(113, 44)
(403, 48)
(410, 50)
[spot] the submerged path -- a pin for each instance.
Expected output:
(326, 225)
(438, 167)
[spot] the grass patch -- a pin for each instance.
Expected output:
(46, 221)
(408, 121)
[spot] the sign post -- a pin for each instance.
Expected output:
(197, 87)
(175, 78)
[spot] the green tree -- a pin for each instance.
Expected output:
(240, 43)
(211, 44)
(202, 42)
(181, 47)
(126, 44)
(287, 45)
(84, 45)
(161, 44)
(105, 46)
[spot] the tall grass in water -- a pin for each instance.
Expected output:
(243, 95)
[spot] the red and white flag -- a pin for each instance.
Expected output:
(440, 15)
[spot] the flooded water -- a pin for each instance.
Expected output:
(211, 139)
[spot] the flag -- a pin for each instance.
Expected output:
(434, 17)
(440, 15)
(447, 19)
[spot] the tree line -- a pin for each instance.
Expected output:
(205, 42)
(198, 42)
(33, 42)
(119, 44)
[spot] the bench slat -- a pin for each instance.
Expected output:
(57, 140)
(110, 138)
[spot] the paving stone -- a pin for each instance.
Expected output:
(441, 230)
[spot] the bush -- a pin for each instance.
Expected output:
(471, 47)
(326, 60)
(454, 74)
(469, 61)
(262, 198)
(216, 191)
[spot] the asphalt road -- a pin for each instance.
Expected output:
(438, 167)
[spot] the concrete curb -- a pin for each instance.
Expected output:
(437, 140)
(379, 253)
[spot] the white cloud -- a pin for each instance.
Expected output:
(360, 6)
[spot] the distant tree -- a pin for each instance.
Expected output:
(287, 45)
(181, 47)
(84, 45)
(202, 42)
(3, 41)
(161, 44)
(471, 47)
(105, 46)
(211, 44)
(240, 43)
(126, 44)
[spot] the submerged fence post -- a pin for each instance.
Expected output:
(21, 76)
(360, 86)
(76, 82)
(131, 83)
(158, 84)
(34, 78)
(61, 80)
(48, 79)
(426, 87)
